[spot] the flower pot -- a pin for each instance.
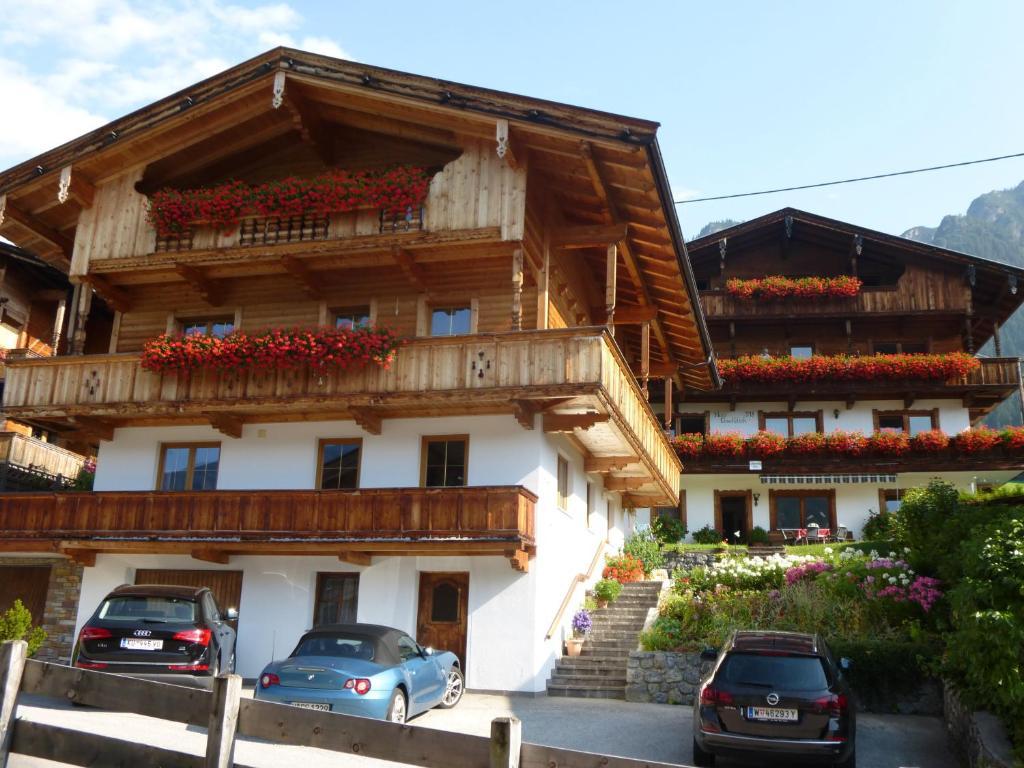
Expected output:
(602, 603)
(573, 645)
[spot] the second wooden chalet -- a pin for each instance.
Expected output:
(359, 344)
(851, 373)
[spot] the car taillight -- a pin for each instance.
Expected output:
(90, 665)
(835, 705)
(93, 633)
(711, 696)
(269, 679)
(188, 667)
(358, 684)
(200, 636)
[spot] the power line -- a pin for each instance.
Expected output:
(849, 181)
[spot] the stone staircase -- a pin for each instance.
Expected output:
(599, 672)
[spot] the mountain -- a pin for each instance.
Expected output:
(716, 226)
(992, 228)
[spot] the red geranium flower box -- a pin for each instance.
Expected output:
(780, 287)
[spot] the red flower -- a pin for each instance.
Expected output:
(977, 440)
(764, 444)
(1013, 438)
(688, 445)
(932, 441)
(809, 443)
(779, 287)
(889, 443)
(726, 445)
(784, 370)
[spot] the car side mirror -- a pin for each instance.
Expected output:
(709, 654)
(428, 651)
(845, 664)
(231, 614)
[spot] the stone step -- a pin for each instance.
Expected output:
(623, 620)
(598, 654)
(588, 692)
(612, 634)
(610, 647)
(596, 672)
(589, 681)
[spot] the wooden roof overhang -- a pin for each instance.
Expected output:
(997, 289)
(602, 168)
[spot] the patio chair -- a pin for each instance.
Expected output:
(813, 535)
(841, 534)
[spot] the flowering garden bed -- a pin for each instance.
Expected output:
(754, 369)
(278, 349)
(839, 444)
(779, 287)
(173, 212)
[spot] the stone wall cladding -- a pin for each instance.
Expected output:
(660, 677)
(61, 610)
(979, 736)
(688, 560)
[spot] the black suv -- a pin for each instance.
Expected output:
(774, 695)
(172, 634)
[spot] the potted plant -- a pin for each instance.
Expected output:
(581, 624)
(606, 591)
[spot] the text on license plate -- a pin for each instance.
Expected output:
(312, 705)
(135, 644)
(772, 714)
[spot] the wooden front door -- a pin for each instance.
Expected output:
(27, 583)
(444, 612)
(226, 586)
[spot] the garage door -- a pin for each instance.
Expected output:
(27, 583)
(225, 585)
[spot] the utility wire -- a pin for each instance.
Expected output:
(849, 181)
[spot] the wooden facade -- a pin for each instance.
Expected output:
(214, 525)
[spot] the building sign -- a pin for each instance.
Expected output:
(734, 421)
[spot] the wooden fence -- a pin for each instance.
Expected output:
(226, 715)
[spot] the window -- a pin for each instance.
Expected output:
(911, 422)
(692, 422)
(351, 317)
(444, 603)
(407, 649)
(214, 326)
(450, 321)
(338, 463)
(798, 509)
(189, 466)
(801, 351)
(337, 598)
(791, 423)
(563, 483)
(890, 499)
(444, 460)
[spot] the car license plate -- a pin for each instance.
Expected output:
(134, 644)
(771, 714)
(312, 705)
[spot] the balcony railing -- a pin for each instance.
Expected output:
(565, 371)
(23, 451)
(487, 520)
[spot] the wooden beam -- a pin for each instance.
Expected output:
(117, 298)
(74, 184)
(310, 125)
(517, 289)
(93, 428)
(659, 368)
(367, 418)
(645, 357)
(611, 285)
(43, 231)
(227, 424)
(543, 283)
(668, 403)
(356, 558)
(211, 556)
(86, 557)
(588, 235)
(630, 314)
(210, 290)
(303, 276)
(519, 560)
(608, 463)
(525, 411)
(567, 422)
(625, 483)
(412, 271)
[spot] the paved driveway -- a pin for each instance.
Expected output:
(648, 731)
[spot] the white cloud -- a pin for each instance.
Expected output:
(684, 193)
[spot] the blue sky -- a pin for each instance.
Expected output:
(750, 95)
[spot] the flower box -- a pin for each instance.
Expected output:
(754, 369)
(777, 287)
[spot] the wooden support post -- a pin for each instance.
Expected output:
(82, 314)
(995, 338)
(506, 742)
(517, 289)
(610, 289)
(668, 403)
(544, 279)
(645, 358)
(220, 734)
(12, 664)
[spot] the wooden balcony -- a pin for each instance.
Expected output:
(24, 451)
(214, 525)
(941, 461)
(573, 381)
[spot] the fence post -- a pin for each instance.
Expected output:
(220, 734)
(506, 741)
(12, 664)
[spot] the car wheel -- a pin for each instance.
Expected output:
(850, 762)
(397, 707)
(702, 757)
(454, 687)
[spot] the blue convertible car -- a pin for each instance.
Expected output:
(363, 669)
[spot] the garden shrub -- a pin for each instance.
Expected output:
(758, 536)
(882, 668)
(607, 589)
(707, 535)
(645, 547)
(878, 525)
(16, 624)
(668, 530)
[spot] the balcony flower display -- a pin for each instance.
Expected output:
(785, 370)
(725, 445)
(889, 443)
(1013, 438)
(977, 440)
(846, 443)
(277, 349)
(763, 444)
(930, 441)
(173, 212)
(776, 287)
(689, 444)
(809, 443)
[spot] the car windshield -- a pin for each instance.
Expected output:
(793, 673)
(342, 646)
(148, 608)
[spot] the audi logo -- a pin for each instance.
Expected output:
(143, 632)
(773, 698)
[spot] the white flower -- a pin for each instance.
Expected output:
(828, 550)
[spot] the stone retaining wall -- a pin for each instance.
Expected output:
(979, 736)
(688, 560)
(662, 678)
